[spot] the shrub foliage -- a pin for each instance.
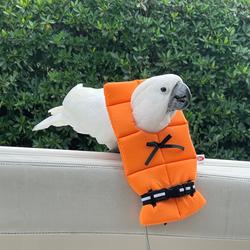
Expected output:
(48, 46)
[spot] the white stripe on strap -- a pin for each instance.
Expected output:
(159, 195)
(147, 198)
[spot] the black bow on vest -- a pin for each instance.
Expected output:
(162, 144)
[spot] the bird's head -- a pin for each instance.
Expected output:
(156, 99)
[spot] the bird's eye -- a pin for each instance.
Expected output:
(163, 89)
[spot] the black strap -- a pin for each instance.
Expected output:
(162, 144)
(152, 197)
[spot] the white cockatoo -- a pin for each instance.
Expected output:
(153, 104)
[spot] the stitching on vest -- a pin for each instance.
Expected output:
(185, 159)
(168, 176)
(139, 130)
(146, 169)
(118, 103)
(158, 165)
(121, 137)
(177, 125)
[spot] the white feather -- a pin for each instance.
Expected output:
(84, 109)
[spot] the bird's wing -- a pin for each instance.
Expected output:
(85, 110)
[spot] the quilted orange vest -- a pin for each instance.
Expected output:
(165, 181)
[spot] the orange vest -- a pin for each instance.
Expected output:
(169, 167)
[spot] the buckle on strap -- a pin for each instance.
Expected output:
(162, 144)
(152, 197)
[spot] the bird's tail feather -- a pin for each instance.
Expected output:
(56, 119)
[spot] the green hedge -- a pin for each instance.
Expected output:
(47, 47)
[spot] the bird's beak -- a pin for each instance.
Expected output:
(180, 97)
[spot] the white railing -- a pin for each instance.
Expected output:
(63, 191)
